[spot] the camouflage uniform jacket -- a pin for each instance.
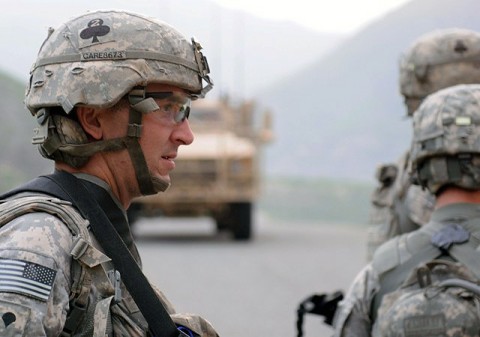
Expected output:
(353, 316)
(398, 206)
(40, 269)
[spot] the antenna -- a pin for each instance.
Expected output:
(240, 59)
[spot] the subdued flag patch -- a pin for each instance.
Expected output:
(26, 278)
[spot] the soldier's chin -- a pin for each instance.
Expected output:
(160, 184)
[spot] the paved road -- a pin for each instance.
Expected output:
(250, 288)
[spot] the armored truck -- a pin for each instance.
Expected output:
(219, 174)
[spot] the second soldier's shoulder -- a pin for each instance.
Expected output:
(399, 249)
(386, 256)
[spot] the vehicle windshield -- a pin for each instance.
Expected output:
(205, 118)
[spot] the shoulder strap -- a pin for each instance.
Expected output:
(468, 254)
(82, 250)
(66, 186)
(462, 249)
(392, 279)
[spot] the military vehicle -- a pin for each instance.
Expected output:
(218, 175)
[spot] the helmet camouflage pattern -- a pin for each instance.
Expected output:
(97, 58)
(446, 139)
(437, 60)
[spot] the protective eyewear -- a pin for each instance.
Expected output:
(173, 105)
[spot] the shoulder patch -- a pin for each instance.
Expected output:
(26, 278)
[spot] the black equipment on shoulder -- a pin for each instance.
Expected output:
(319, 304)
(67, 187)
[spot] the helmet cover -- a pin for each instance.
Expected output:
(97, 58)
(437, 60)
(446, 138)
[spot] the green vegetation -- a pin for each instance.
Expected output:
(19, 159)
(10, 177)
(317, 200)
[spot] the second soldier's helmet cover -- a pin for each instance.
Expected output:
(97, 58)
(446, 139)
(436, 60)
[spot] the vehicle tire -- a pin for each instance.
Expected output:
(221, 224)
(241, 220)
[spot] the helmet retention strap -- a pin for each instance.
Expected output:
(138, 105)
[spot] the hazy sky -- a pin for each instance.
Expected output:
(327, 16)
(340, 16)
(24, 24)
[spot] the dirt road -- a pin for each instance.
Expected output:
(250, 288)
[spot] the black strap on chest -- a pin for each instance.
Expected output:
(67, 187)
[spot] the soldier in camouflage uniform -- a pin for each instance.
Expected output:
(445, 156)
(111, 92)
(435, 61)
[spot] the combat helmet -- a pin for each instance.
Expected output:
(437, 60)
(95, 60)
(446, 139)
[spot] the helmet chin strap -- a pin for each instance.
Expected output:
(138, 105)
(77, 152)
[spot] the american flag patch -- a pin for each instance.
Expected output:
(21, 277)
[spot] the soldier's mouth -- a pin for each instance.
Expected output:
(170, 157)
(168, 162)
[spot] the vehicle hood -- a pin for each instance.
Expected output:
(214, 145)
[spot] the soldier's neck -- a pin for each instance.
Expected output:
(452, 195)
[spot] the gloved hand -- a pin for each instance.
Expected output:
(190, 323)
(320, 304)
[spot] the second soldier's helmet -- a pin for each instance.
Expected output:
(446, 139)
(437, 60)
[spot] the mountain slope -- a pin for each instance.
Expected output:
(343, 115)
(238, 46)
(19, 159)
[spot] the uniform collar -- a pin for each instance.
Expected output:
(456, 212)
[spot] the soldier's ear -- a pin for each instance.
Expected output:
(88, 119)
